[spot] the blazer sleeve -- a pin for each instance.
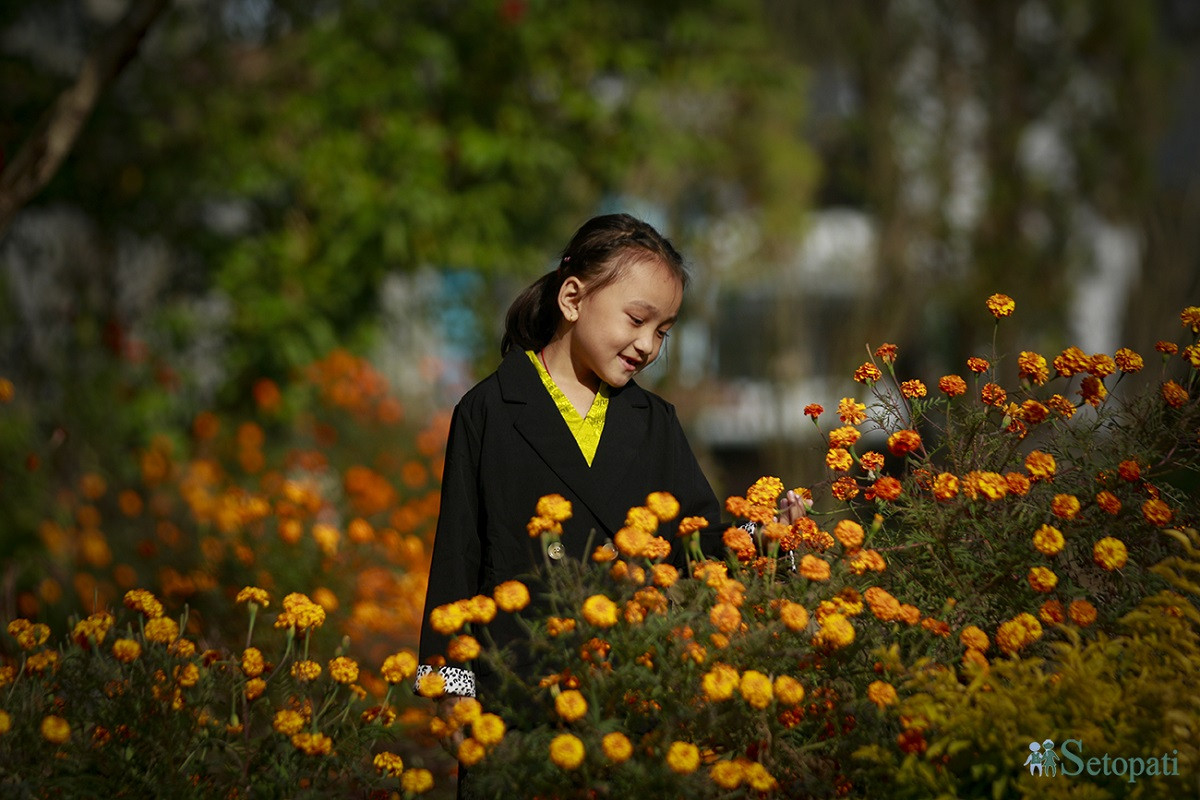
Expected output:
(455, 565)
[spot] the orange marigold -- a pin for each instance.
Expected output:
(952, 385)
(839, 459)
(913, 389)
(883, 605)
(1065, 506)
(815, 569)
(867, 373)
(1108, 502)
(1033, 412)
(1093, 391)
(1001, 305)
(1041, 466)
(974, 638)
(1018, 484)
(1128, 361)
(1048, 540)
(993, 394)
(901, 443)
(511, 596)
(1071, 362)
(886, 352)
(845, 436)
(844, 489)
(1156, 512)
(1082, 613)
(1110, 553)
(882, 694)
(1061, 406)
(793, 615)
(814, 410)
(1042, 580)
(1051, 612)
(945, 486)
(1032, 367)
(887, 488)
(1174, 394)
(978, 365)
(871, 461)
(1190, 317)
(1166, 348)
(1102, 365)
(1018, 633)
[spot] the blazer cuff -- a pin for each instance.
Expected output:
(460, 682)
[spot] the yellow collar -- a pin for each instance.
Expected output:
(586, 430)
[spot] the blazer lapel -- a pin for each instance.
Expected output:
(538, 420)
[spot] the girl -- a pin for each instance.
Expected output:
(563, 414)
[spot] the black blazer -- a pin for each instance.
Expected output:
(509, 446)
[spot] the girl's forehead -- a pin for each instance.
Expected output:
(648, 275)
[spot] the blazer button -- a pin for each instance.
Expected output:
(556, 550)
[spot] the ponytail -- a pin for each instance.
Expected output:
(597, 254)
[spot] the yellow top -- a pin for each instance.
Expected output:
(586, 430)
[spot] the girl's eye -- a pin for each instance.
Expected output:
(663, 334)
(636, 320)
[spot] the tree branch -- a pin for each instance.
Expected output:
(56, 133)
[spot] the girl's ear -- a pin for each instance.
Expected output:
(570, 295)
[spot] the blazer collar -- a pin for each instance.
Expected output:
(540, 423)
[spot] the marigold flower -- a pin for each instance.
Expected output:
(447, 619)
(288, 721)
(886, 488)
(1052, 612)
(488, 729)
(389, 764)
(835, 631)
(1041, 466)
(839, 460)
(867, 560)
(143, 601)
(539, 525)
(1065, 506)
(162, 630)
(1061, 406)
(511, 596)
(978, 365)
(250, 594)
(566, 751)
(555, 507)
(844, 488)
(399, 667)
(1102, 365)
(867, 373)
(1108, 502)
(1032, 367)
(1128, 361)
(974, 638)
(882, 694)
(28, 634)
(306, 671)
(1018, 633)
(432, 684)
(886, 352)
(5, 722)
(1033, 412)
(814, 569)
(952, 385)
(845, 436)
(871, 461)
(616, 747)
(1071, 361)
(126, 650)
(901, 443)
(600, 611)
(1042, 580)
(480, 609)
(1082, 613)
(793, 615)
(725, 617)
(993, 394)
(570, 705)
(814, 410)
(884, 606)
(471, 752)
(463, 648)
(756, 689)
(1156, 512)
(1174, 394)
(466, 711)
(726, 774)
(849, 533)
(689, 525)
(1110, 553)
(945, 486)
(55, 729)
(913, 389)
(312, 744)
(1048, 540)
(1190, 317)
(1001, 305)
(1191, 354)
(300, 612)
(1166, 348)
(683, 757)
(851, 412)
(1093, 391)
(991, 485)
(416, 781)
(641, 518)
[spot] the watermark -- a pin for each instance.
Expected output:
(1070, 760)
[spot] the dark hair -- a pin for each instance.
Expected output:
(596, 255)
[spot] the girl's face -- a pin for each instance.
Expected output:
(618, 330)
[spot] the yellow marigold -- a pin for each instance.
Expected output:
(884, 606)
(886, 352)
(683, 757)
(885, 488)
(617, 747)
(882, 694)
(471, 752)
(511, 596)
(1001, 305)
(416, 781)
(839, 459)
(28, 634)
(641, 518)
(952, 385)
(815, 569)
(55, 729)
(1190, 317)
(974, 658)
(432, 684)
(1032, 367)
(300, 612)
(903, 442)
(719, 682)
(566, 751)
(539, 525)
(570, 705)
(1156, 512)
(1102, 365)
(867, 373)
(867, 561)
(399, 667)
(725, 617)
(42, 661)
(463, 648)
(1071, 361)
(849, 533)
(913, 389)
(1191, 354)
(974, 638)
(756, 689)
(312, 744)
(389, 764)
(1108, 502)
(945, 486)
(5, 722)
(788, 690)
(447, 619)
(126, 650)
(1041, 466)
(1128, 361)
(555, 507)
(689, 525)
(978, 365)
(1052, 612)
(1042, 580)
(182, 648)
(993, 394)
(253, 594)
(663, 505)
(1018, 633)
(835, 631)
(1065, 506)
(1110, 553)
(488, 729)
(1048, 540)
(480, 609)
(254, 688)
(162, 630)
(991, 485)
(1093, 391)
(845, 436)
(143, 601)
(793, 615)
(1082, 613)
(600, 611)
(1061, 406)
(306, 671)
(757, 777)
(343, 669)
(288, 721)
(765, 491)
(851, 412)
(871, 461)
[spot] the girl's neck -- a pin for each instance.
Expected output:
(579, 388)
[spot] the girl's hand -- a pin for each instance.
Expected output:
(445, 710)
(792, 507)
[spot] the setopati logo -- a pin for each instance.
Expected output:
(1070, 760)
